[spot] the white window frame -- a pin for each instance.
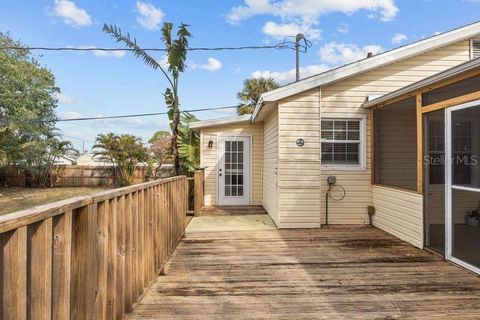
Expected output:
(362, 156)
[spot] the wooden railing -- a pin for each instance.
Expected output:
(89, 257)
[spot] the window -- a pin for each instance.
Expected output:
(342, 143)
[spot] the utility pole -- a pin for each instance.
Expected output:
(299, 37)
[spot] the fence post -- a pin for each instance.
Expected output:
(199, 190)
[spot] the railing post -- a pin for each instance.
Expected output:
(199, 190)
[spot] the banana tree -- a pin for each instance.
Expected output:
(176, 50)
(189, 143)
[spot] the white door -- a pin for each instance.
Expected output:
(234, 170)
(462, 172)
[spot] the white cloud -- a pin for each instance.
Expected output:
(70, 115)
(289, 75)
(102, 53)
(212, 65)
(71, 14)
(64, 99)
(343, 28)
(308, 11)
(341, 53)
(150, 16)
(280, 31)
(399, 38)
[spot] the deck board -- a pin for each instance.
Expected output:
(331, 273)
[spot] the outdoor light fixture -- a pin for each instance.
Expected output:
(210, 143)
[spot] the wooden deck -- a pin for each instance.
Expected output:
(332, 273)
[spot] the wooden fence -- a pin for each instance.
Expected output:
(89, 257)
(80, 176)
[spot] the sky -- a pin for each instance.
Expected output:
(99, 84)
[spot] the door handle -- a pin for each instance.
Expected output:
(220, 174)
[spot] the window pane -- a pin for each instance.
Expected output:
(327, 124)
(353, 135)
(240, 191)
(328, 135)
(240, 145)
(234, 145)
(227, 191)
(340, 135)
(354, 125)
(227, 146)
(228, 179)
(339, 125)
(234, 191)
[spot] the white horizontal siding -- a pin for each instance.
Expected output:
(270, 165)
(347, 96)
(400, 213)
(208, 158)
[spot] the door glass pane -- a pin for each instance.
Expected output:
(465, 138)
(434, 170)
(234, 160)
(465, 224)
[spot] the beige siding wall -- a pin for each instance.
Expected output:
(346, 97)
(299, 167)
(400, 213)
(209, 158)
(270, 165)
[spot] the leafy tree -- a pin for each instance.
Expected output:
(159, 134)
(38, 158)
(124, 152)
(161, 149)
(27, 113)
(27, 96)
(189, 143)
(176, 56)
(253, 88)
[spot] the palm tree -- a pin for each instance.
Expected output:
(176, 56)
(124, 152)
(253, 88)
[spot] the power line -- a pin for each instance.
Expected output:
(283, 45)
(136, 115)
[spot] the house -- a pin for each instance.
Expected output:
(92, 160)
(323, 149)
(66, 160)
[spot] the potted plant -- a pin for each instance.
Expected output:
(473, 218)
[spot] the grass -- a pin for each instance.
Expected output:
(15, 199)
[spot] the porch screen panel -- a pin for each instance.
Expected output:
(234, 168)
(456, 89)
(395, 135)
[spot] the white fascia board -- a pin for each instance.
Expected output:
(220, 121)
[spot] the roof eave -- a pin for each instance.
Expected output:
(349, 70)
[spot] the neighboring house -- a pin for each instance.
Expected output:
(68, 160)
(302, 133)
(92, 160)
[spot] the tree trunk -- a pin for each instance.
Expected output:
(176, 121)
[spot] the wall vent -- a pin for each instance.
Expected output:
(475, 48)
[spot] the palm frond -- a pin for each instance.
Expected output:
(150, 61)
